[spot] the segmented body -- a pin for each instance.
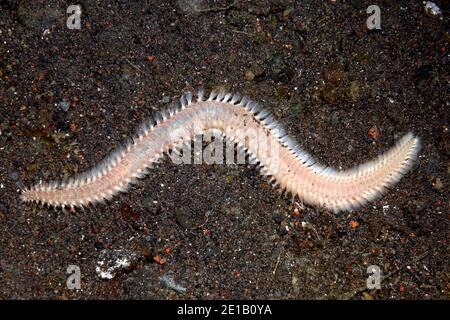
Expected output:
(236, 118)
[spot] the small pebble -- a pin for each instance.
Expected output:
(438, 185)
(367, 296)
(249, 75)
(294, 280)
(111, 262)
(254, 72)
(64, 105)
(432, 9)
(14, 175)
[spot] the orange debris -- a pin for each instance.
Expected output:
(353, 224)
(159, 259)
(373, 133)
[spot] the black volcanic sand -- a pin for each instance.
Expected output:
(346, 93)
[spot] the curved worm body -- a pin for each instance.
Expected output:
(252, 128)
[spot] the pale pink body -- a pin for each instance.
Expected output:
(237, 119)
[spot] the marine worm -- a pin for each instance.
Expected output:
(235, 117)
